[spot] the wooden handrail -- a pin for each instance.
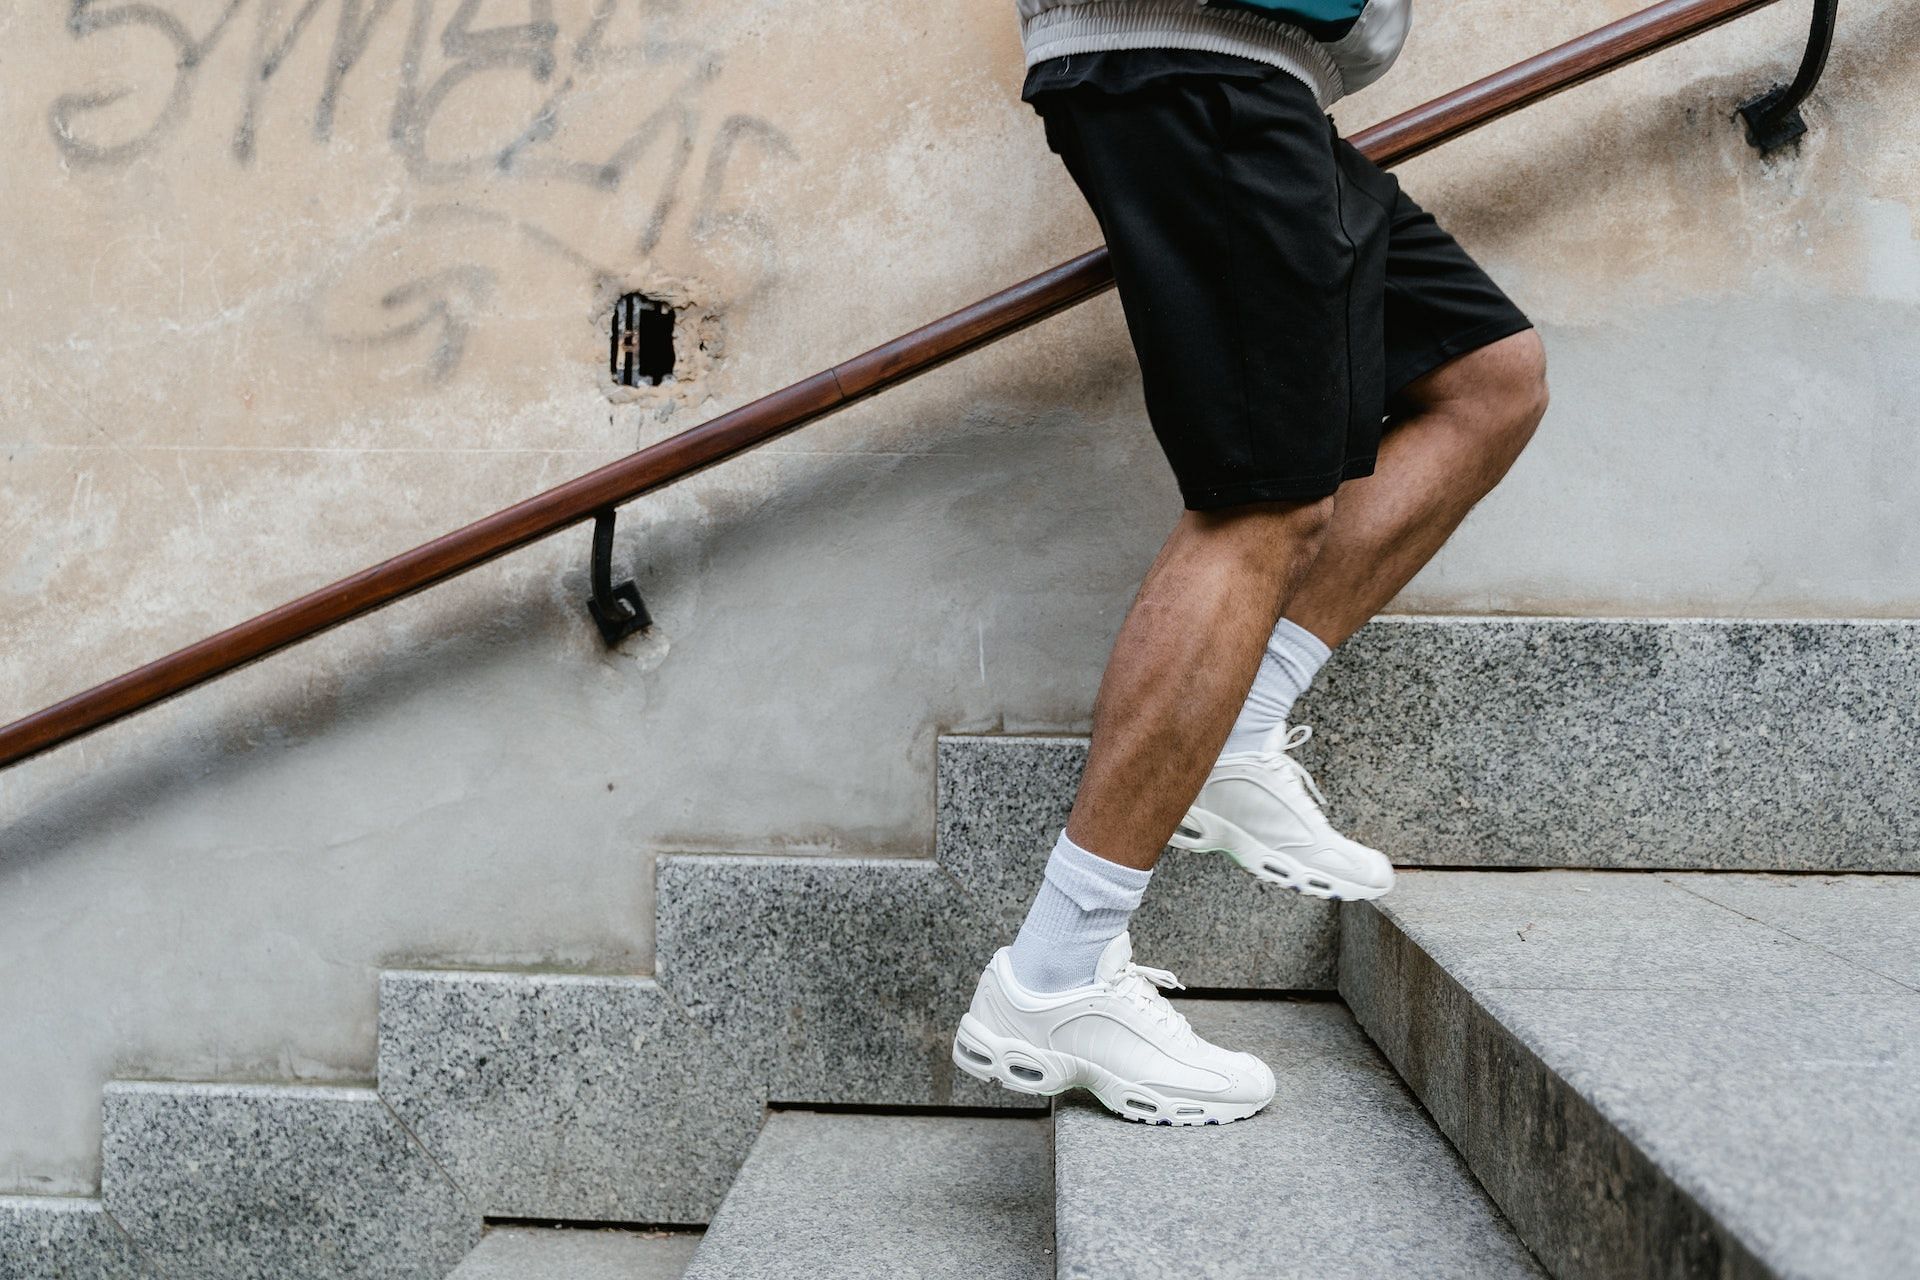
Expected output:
(771, 416)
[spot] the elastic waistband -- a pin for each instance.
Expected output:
(1181, 24)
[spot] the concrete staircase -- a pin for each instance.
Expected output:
(1343, 1176)
(1664, 1075)
(803, 982)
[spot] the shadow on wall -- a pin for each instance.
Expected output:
(1505, 201)
(205, 749)
(479, 627)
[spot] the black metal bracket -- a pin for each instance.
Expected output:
(1774, 119)
(617, 611)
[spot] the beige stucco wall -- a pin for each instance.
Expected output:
(262, 324)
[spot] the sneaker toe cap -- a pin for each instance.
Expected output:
(1253, 1080)
(1359, 864)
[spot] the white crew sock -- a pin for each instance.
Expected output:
(1083, 904)
(1294, 657)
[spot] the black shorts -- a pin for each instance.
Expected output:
(1279, 288)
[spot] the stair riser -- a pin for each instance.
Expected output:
(276, 1182)
(71, 1239)
(1545, 742)
(1588, 1202)
(835, 980)
(561, 1096)
(1002, 804)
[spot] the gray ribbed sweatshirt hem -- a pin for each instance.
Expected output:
(1181, 24)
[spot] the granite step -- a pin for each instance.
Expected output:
(1341, 1176)
(1659, 1074)
(1002, 802)
(275, 1182)
(851, 1196)
(65, 1238)
(545, 1253)
(1529, 742)
(586, 1097)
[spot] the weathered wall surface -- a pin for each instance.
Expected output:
(287, 286)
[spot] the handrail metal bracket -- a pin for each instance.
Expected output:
(1774, 119)
(617, 610)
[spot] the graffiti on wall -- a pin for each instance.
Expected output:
(414, 59)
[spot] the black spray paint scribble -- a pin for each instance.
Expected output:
(530, 50)
(274, 41)
(444, 302)
(441, 303)
(88, 18)
(660, 141)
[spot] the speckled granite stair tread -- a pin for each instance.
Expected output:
(1725, 1061)
(841, 1196)
(1342, 1177)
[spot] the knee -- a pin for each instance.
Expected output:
(1263, 535)
(1495, 395)
(1527, 388)
(1517, 391)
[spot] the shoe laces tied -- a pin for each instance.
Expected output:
(1296, 737)
(1140, 984)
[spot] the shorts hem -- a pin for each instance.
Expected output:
(1454, 346)
(1283, 489)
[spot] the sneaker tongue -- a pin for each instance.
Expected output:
(1114, 960)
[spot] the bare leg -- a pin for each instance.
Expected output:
(1181, 667)
(1470, 419)
(1187, 652)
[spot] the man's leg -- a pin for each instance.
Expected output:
(1456, 432)
(1461, 429)
(1251, 286)
(1181, 667)
(1458, 429)
(1178, 673)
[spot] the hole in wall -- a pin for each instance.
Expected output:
(662, 338)
(641, 341)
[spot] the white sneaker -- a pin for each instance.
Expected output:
(1262, 809)
(1118, 1038)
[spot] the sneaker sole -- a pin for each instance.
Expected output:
(1022, 1068)
(1203, 831)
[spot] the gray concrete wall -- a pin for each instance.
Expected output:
(262, 323)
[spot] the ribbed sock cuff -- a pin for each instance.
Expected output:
(1084, 903)
(1293, 658)
(1299, 646)
(1093, 882)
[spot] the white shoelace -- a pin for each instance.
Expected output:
(1139, 983)
(1296, 737)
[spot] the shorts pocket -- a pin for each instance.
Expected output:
(1366, 176)
(1051, 124)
